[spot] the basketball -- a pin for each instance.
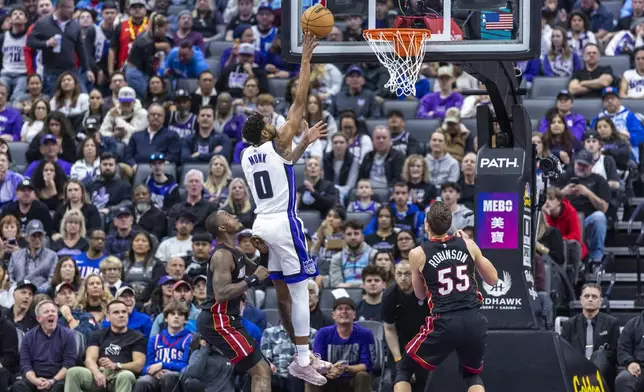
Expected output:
(318, 20)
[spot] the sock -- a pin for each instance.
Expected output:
(303, 355)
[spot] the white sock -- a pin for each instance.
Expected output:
(303, 355)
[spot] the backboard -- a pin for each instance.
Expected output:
(462, 30)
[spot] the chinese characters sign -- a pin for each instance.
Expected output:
(497, 220)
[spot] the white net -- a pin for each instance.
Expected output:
(400, 52)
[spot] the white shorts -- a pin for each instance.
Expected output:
(288, 255)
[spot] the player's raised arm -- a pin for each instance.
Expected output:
(222, 265)
(416, 264)
(483, 265)
(295, 114)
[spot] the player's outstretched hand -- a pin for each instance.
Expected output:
(309, 43)
(259, 244)
(315, 132)
(462, 234)
(261, 272)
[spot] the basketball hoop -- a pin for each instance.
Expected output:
(402, 52)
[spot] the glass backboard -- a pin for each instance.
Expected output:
(461, 29)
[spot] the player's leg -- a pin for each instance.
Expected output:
(284, 306)
(472, 350)
(260, 374)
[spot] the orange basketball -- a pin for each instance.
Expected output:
(318, 20)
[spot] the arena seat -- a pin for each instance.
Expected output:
(310, 219)
(362, 217)
(190, 85)
(634, 105)
(143, 170)
(81, 346)
(548, 87)
(620, 64)
(537, 108)
(588, 108)
(470, 124)
(213, 64)
(422, 129)
(18, 152)
(558, 322)
(216, 48)
(372, 123)
(614, 7)
(174, 9)
(378, 330)
(272, 317)
(408, 108)
(277, 87)
(237, 171)
(270, 301)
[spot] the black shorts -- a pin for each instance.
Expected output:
(228, 335)
(463, 331)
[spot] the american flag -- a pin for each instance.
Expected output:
(498, 21)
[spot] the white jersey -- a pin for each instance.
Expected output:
(271, 179)
(635, 82)
(13, 54)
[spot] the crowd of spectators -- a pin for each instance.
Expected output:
(120, 133)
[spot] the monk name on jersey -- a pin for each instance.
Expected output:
(448, 254)
(257, 158)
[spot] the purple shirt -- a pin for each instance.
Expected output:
(46, 355)
(196, 39)
(11, 123)
(8, 187)
(433, 102)
(359, 348)
(66, 166)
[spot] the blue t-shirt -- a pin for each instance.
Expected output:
(88, 266)
(359, 348)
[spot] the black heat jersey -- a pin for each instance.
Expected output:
(449, 273)
(230, 307)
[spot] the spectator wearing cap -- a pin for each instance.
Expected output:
(142, 62)
(206, 142)
(236, 14)
(206, 95)
(632, 85)
(435, 104)
(35, 262)
(9, 181)
(163, 187)
(589, 81)
(604, 165)
(118, 243)
(59, 125)
(125, 34)
(157, 298)
(461, 216)
(46, 353)
(181, 244)
(136, 320)
(242, 34)
(168, 351)
(626, 122)
(264, 31)
(575, 122)
(354, 96)
(21, 313)
(195, 203)
(181, 120)
(26, 207)
(198, 260)
(50, 149)
(199, 290)
(59, 56)
(147, 216)
(108, 191)
(589, 193)
(458, 139)
(68, 315)
(234, 76)
(184, 61)
(181, 293)
(155, 139)
(185, 34)
(125, 118)
(346, 341)
(383, 166)
(402, 140)
(9, 353)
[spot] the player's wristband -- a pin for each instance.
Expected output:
(251, 280)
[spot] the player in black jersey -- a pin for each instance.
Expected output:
(230, 274)
(443, 272)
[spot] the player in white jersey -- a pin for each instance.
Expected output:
(268, 167)
(632, 85)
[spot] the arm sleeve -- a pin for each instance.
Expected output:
(388, 307)
(566, 330)
(130, 152)
(29, 53)
(17, 127)
(81, 52)
(37, 40)
(25, 357)
(174, 148)
(625, 354)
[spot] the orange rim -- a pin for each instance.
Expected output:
(406, 42)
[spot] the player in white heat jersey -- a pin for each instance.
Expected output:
(268, 167)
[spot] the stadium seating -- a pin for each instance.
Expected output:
(216, 48)
(143, 170)
(546, 87)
